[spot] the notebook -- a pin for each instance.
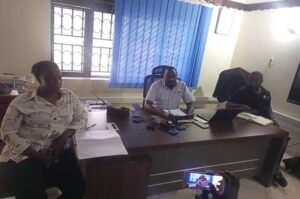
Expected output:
(256, 119)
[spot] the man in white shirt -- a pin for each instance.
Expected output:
(166, 93)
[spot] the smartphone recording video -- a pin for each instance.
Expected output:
(202, 180)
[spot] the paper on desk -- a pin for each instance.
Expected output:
(99, 143)
(175, 112)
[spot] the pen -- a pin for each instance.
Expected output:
(90, 126)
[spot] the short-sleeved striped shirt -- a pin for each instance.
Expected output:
(167, 98)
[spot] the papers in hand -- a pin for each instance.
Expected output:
(175, 112)
(99, 143)
(254, 118)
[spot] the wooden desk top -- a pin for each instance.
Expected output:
(137, 138)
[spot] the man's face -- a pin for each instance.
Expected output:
(170, 77)
(255, 81)
(50, 79)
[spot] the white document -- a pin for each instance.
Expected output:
(254, 118)
(99, 143)
(200, 120)
(175, 112)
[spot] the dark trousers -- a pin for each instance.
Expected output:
(30, 177)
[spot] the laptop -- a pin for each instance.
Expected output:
(221, 115)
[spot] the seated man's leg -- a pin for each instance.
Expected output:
(67, 176)
(26, 178)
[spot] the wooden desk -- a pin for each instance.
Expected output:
(244, 148)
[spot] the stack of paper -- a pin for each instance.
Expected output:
(99, 143)
(254, 118)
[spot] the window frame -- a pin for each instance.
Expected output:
(105, 7)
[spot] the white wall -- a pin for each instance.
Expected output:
(25, 39)
(218, 53)
(24, 34)
(263, 35)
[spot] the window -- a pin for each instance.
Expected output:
(102, 43)
(82, 39)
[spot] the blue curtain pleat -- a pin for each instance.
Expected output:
(149, 33)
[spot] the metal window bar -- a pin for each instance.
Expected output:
(72, 57)
(111, 25)
(61, 20)
(101, 29)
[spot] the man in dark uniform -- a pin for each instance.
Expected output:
(253, 98)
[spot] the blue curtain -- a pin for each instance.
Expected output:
(149, 33)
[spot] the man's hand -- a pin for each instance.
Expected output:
(170, 117)
(229, 187)
(59, 143)
(275, 123)
(246, 108)
(46, 156)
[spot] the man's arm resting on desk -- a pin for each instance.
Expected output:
(272, 117)
(149, 107)
(189, 108)
(234, 105)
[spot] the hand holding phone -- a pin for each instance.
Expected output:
(204, 181)
(230, 187)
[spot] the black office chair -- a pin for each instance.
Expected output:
(149, 79)
(160, 70)
(229, 81)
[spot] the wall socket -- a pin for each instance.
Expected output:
(271, 61)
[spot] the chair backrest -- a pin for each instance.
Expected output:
(149, 79)
(160, 70)
(4, 103)
(5, 188)
(229, 81)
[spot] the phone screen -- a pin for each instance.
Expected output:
(202, 180)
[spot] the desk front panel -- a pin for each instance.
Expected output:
(243, 158)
